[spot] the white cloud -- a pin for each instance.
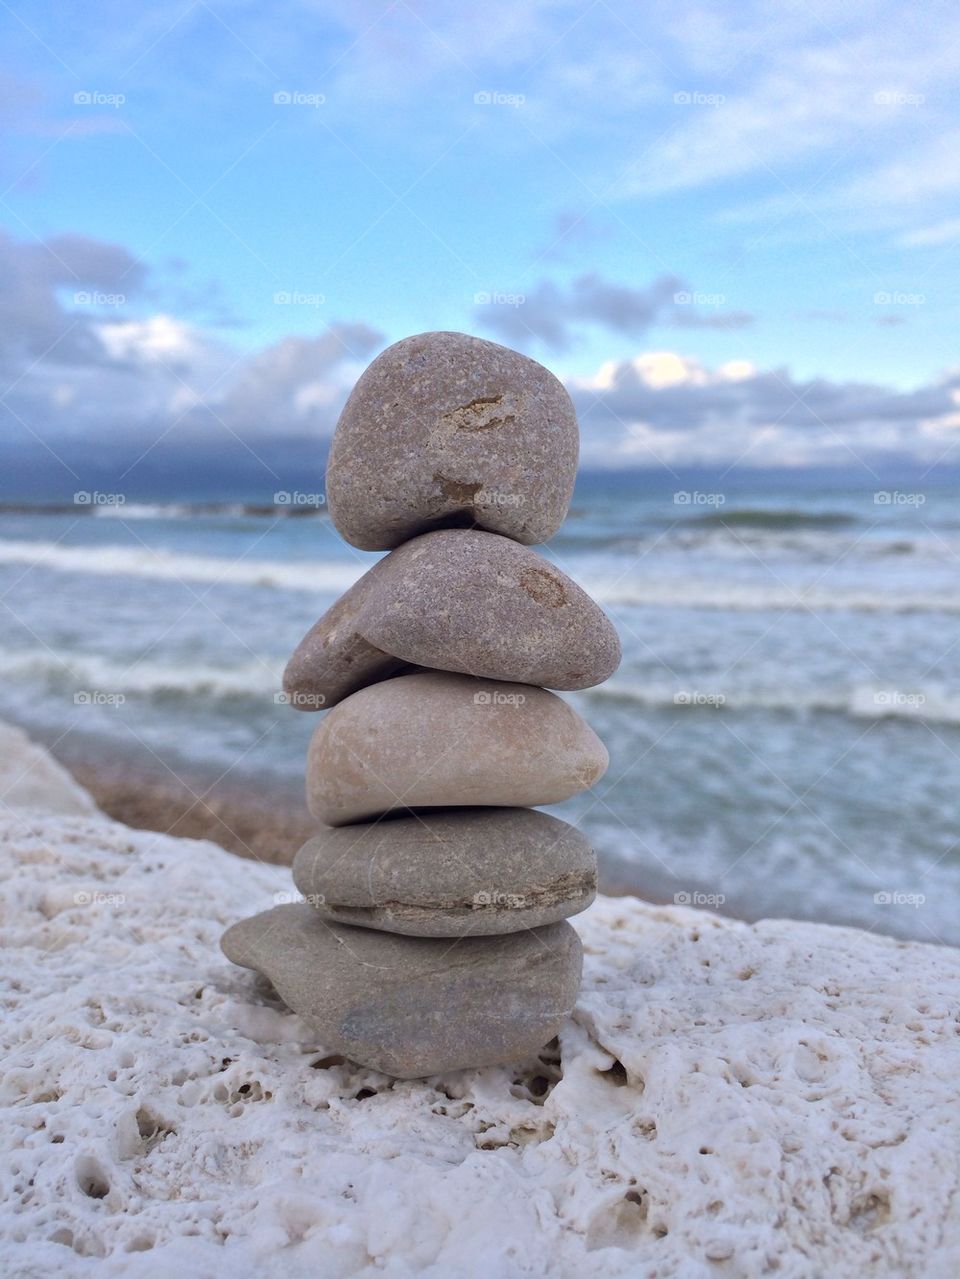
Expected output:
(939, 233)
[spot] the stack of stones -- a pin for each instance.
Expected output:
(433, 935)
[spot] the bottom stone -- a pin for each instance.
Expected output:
(414, 1006)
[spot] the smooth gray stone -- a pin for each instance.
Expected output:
(450, 872)
(435, 740)
(414, 1006)
(446, 430)
(455, 600)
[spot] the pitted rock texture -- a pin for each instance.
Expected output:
(458, 872)
(776, 1099)
(447, 430)
(432, 740)
(456, 600)
(414, 1006)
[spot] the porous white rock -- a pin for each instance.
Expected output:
(727, 1100)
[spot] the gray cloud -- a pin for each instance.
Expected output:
(80, 379)
(35, 277)
(768, 413)
(87, 363)
(553, 315)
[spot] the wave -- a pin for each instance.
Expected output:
(872, 702)
(320, 576)
(778, 520)
(137, 561)
(98, 676)
(747, 598)
(106, 509)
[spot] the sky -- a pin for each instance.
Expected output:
(732, 229)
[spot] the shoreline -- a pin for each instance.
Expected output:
(257, 820)
(266, 820)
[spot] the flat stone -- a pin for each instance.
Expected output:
(450, 872)
(414, 1006)
(446, 430)
(436, 740)
(455, 600)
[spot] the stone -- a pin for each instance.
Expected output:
(446, 430)
(450, 872)
(414, 1006)
(461, 600)
(333, 659)
(434, 740)
(456, 600)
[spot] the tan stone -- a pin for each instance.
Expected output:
(437, 740)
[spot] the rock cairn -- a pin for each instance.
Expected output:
(433, 933)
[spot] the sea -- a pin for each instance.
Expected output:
(784, 730)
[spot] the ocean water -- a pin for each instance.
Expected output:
(784, 730)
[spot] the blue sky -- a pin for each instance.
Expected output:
(732, 228)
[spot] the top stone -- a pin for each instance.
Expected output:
(444, 430)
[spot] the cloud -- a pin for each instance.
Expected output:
(86, 362)
(35, 276)
(88, 375)
(663, 407)
(552, 314)
(943, 232)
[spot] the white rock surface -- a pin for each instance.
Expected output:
(31, 780)
(728, 1100)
